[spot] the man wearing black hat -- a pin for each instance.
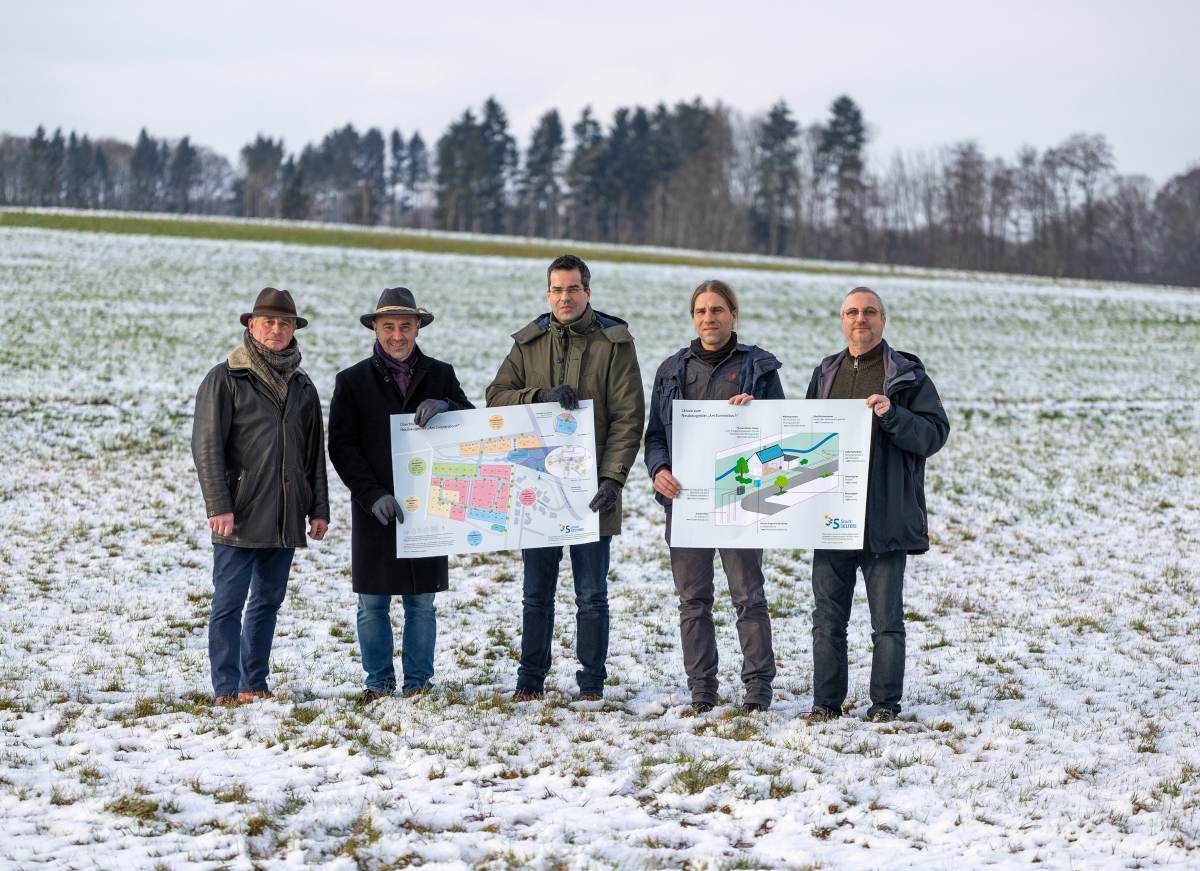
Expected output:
(396, 379)
(259, 448)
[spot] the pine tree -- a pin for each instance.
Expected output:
(776, 177)
(372, 175)
(182, 174)
(500, 163)
(145, 170)
(543, 168)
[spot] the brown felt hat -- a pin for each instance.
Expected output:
(277, 303)
(397, 301)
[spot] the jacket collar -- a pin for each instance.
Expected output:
(897, 368)
(612, 327)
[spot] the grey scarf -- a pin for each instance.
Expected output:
(273, 368)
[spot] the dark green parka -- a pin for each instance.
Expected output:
(595, 355)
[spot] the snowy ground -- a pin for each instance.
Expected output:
(1051, 709)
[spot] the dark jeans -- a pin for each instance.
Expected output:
(416, 644)
(692, 569)
(589, 565)
(833, 578)
(239, 652)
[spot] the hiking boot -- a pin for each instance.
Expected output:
(821, 714)
(591, 697)
(369, 696)
(225, 702)
(702, 707)
(525, 696)
(883, 715)
(752, 708)
(247, 698)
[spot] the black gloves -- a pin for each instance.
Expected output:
(563, 394)
(386, 508)
(429, 409)
(606, 495)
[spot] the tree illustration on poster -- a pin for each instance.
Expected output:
(781, 482)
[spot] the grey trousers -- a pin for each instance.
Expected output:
(692, 568)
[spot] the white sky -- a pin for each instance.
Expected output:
(926, 74)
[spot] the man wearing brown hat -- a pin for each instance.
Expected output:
(259, 448)
(396, 379)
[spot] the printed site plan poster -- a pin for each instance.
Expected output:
(786, 473)
(495, 479)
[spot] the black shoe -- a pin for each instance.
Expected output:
(369, 696)
(752, 708)
(883, 715)
(702, 707)
(821, 714)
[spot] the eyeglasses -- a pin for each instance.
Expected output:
(868, 313)
(570, 291)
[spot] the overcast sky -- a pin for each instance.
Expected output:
(926, 74)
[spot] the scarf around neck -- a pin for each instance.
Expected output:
(273, 368)
(400, 370)
(712, 358)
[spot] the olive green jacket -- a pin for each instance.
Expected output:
(595, 355)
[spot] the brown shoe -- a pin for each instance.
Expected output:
(247, 698)
(225, 702)
(591, 697)
(524, 696)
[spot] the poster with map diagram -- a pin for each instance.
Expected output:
(495, 479)
(789, 473)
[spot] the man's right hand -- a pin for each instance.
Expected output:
(563, 394)
(386, 509)
(221, 524)
(665, 483)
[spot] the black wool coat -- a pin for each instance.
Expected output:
(360, 447)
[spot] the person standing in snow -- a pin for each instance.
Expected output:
(908, 427)
(714, 366)
(570, 353)
(396, 379)
(259, 448)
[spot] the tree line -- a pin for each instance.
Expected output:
(692, 175)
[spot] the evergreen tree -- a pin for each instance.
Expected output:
(841, 151)
(585, 175)
(397, 156)
(500, 164)
(145, 171)
(462, 163)
(416, 170)
(543, 168)
(372, 177)
(183, 171)
(293, 204)
(776, 177)
(261, 160)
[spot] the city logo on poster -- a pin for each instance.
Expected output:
(565, 527)
(840, 522)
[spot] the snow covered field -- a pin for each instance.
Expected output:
(1052, 699)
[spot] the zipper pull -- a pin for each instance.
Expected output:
(855, 364)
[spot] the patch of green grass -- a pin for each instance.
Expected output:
(387, 240)
(133, 806)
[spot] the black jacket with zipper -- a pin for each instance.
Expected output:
(265, 465)
(914, 429)
(759, 376)
(360, 448)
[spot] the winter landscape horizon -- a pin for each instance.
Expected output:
(1050, 711)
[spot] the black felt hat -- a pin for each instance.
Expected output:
(397, 301)
(274, 303)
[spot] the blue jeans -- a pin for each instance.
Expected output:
(589, 565)
(239, 652)
(833, 578)
(416, 644)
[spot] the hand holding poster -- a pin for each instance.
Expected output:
(495, 479)
(773, 473)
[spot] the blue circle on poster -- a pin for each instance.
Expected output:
(565, 424)
(475, 538)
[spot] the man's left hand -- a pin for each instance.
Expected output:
(429, 409)
(879, 403)
(606, 495)
(317, 529)
(740, 399)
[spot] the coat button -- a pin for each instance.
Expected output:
(385, 378)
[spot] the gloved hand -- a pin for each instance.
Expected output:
(429, 409)
(386, 508)
(606, 495)
(563, 394)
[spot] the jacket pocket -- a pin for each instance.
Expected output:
(239, 487)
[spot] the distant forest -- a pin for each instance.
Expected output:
(692, 175)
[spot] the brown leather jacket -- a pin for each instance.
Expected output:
(264, 465)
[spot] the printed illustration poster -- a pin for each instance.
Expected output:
(788, 473)
(495, 479)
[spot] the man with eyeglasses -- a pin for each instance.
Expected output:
(909, 426)
(570, 353)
